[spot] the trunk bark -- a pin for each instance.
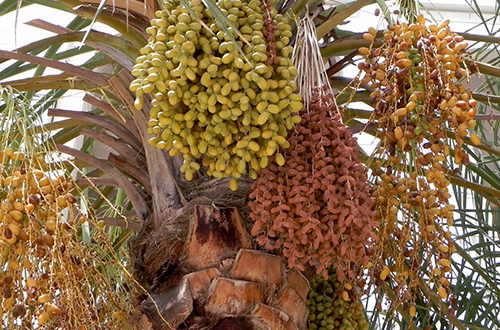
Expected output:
(203, 273)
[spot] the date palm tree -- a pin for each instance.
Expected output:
(186, 244)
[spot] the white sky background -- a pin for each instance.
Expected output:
(17, 35)
(27, 34)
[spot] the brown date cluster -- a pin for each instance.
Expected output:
(316, 209)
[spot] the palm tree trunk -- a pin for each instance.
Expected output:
(203, 273)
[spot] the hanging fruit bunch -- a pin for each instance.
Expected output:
(316, 210)
(334, 305)
(48, 278)
(211, 104)
(423, 112)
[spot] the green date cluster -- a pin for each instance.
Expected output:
(331, 308)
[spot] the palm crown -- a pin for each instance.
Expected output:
(145, 205)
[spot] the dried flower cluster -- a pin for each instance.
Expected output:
(316, 210)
